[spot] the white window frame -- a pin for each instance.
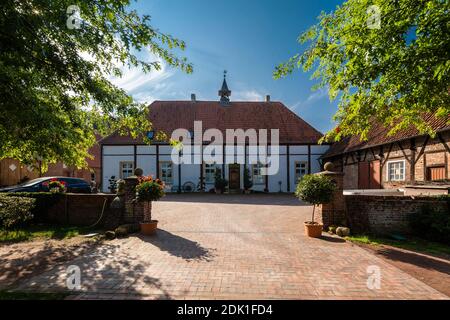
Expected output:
(298, 176)
(165, 180)
(388, 170)
(258, 178)
(210, 166)
(121, 169)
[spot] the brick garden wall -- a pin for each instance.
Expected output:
(82, 209)
(386, 214)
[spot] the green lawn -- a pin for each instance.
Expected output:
(410, 243)
(11, 295)
(40, 232)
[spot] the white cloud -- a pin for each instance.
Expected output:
(248, 95)
(133, 79)
(144, 87)
(313, 97)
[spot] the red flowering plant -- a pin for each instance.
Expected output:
(55, 186)
(148, 190)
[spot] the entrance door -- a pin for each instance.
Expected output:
(375, 174)
(369, 175)
(234, 176)
(363, 175)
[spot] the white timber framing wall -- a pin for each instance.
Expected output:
(150, 158)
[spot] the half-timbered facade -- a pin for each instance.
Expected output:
(383, 161)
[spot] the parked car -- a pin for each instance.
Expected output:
(75, 185)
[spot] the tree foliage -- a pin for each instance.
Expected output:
(54, 80)
(394, 73)
(315, 189)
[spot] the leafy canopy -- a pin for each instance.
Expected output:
(54, 80)
(393, 74)
(315, 189)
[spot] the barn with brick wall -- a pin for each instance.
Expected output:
(405, 158)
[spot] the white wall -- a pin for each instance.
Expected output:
(111, 168)
(146, 159)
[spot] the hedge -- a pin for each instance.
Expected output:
(432, 224)
(15, 212)
(43, 201)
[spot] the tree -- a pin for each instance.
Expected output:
(248, 182)
(55, 70)
(394, 73)
(315, 189)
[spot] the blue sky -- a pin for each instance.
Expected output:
(247, 38)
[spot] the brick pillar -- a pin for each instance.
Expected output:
(333, 213)
(134, 211)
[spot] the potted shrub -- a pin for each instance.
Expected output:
(315, 189)
(248, 183)
(148, 190)
(55, 186)
(219, 182)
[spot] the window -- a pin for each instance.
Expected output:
(257, 175)
(436, 173)
(165, 172)
(396, 170)
(301, 168)
(126, 169)
(209, 170)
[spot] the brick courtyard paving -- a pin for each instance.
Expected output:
(231, 247)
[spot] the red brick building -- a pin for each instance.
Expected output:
(394, 161)
(12, 171)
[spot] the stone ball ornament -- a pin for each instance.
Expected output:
(138, 172)
(329, 166)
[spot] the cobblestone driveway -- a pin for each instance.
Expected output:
(231, 247)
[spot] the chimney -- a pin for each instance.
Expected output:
(268, 98)
(193, 98)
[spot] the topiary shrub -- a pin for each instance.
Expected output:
(315, 189)
(431, 224)
(219, 182)
(248, 183)
(15, 211)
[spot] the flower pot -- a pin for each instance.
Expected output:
(149, 228)
(247, 191)
(313, 230)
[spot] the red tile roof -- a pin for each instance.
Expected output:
(378, 136)
(167, 116)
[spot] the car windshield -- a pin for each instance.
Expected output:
(32, 182)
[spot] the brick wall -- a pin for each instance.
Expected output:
(333, 213)
(82, 209)
(385, 214)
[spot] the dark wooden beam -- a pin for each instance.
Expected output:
(309, 158)
(439, 136)
(135, 157)
(157, 162)
(412, 162)
(388, 154)
(422, 150)
(288, 178)
(179, 171)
